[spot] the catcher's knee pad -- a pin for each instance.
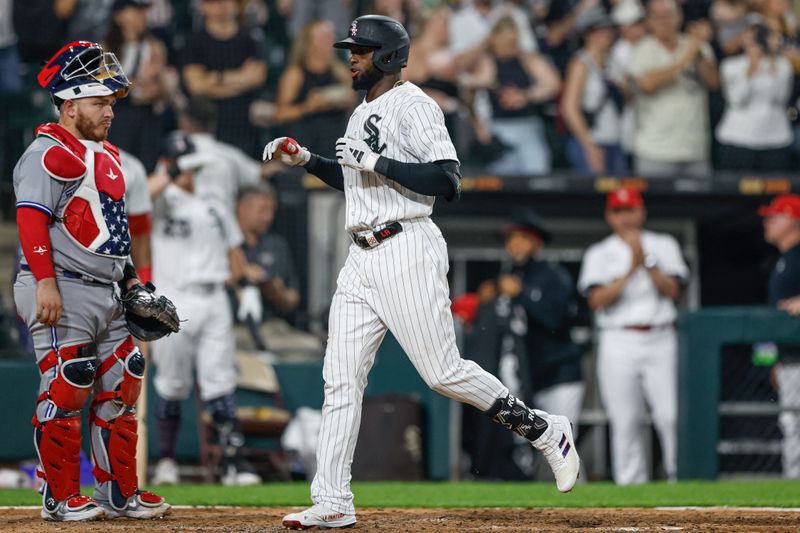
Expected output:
(75, 371)
(58, 443)
(118, 440)
(127, 388)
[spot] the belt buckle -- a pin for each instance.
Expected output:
(371, 240)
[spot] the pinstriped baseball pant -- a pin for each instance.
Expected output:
(400, 286)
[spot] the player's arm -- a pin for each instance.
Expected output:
(37, 195)
(138, 206)
(34, 238)
(666, 285)
(158, 181)
(668, 271)
(602, 296)
(328, 170)
(140, 245)
(425, 136)
(249, 295)
(238, 265)
(440, 178)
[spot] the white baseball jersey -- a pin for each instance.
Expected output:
(230, 169)
(406, 125)
(399, 285)
(191, 239)
(636, 367)
(640, 302)
(137, 199)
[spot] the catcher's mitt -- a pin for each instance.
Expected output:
(149, 316)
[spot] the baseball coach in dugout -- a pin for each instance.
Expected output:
(79, 294)
(396, 157)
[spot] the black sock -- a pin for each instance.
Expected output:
(513, 414)
(168, 422)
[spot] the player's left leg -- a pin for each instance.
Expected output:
(414, 303)
(216, 377)
(620, 385)
(67, 359)
(660, 387)
(354, 334)
(113, 427)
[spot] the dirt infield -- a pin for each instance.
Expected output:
(267, 519)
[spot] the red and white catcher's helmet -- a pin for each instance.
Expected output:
(82, 69)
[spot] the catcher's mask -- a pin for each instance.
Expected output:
(82, 69)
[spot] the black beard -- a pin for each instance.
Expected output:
(367, 79)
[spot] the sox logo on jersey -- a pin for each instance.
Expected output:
(374, 134)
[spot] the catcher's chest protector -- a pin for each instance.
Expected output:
(94, 217)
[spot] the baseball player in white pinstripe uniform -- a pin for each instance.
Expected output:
(395, 158)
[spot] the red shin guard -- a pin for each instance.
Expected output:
(59, 445)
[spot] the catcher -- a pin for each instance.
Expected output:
(79, 294)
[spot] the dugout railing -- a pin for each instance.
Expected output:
(727, 421)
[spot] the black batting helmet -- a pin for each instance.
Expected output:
(181, 154)
(384, 34)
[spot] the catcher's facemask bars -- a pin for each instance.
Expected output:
(101, 67)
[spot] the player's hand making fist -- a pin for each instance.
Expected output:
(286, 150)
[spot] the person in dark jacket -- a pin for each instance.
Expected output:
(546, 292)
(523, 336)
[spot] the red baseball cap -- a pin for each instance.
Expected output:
(466, 307)
(624, 198)
(783, 204)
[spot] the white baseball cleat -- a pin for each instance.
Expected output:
(166, 472)
(143, 505)
(235, 477)
(76, 508)
(320, 517)
(558, 447)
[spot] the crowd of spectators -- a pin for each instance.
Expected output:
(601, 87)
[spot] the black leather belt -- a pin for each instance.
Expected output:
(71, 275)
(373, 239)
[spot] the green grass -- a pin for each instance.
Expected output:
(776, 493)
